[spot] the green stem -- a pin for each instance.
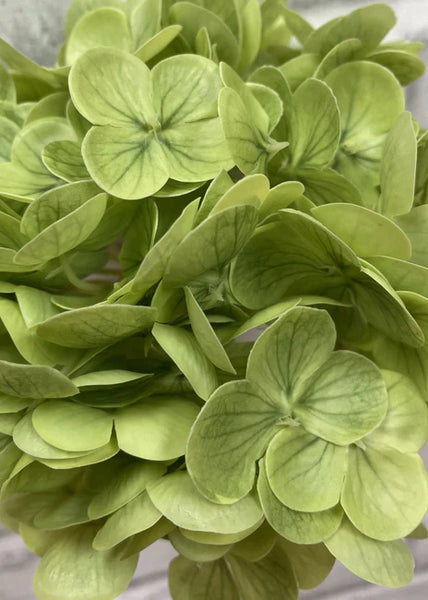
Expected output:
(85, 286)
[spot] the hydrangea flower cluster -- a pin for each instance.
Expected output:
(213, 299)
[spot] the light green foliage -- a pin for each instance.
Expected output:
(213, 299)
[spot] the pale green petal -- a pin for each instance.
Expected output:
(230, 435)
(34, 381)
(296, 526)
(97, 325)
(137, 515)
(179, 501)
(64, 160)
(389, 564)
(346, 399)
(186, 89)
(286, 355)
(365, 231)
(112, 87)
(405, 426)
(72, 427)
(206, 336)
(211, 245)
(156, 428)
(398, 169)
(72, 569)
(305, 472)
(385, 493)
(103, 27)
(272, 578)
(182, 347)
(312, 563)
(128, 162)
(315, 126)
(195, 151)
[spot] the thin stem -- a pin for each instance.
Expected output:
(78, 283)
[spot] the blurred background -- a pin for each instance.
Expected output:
(35, 28)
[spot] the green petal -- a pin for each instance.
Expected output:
(257, 545)
(34, 350)
(415, 225)
(72, 427)
(247, 145)
(145, 19)
(192, 17)
(206, 581)
(389, 564)
(253, 190)
(97, 325)
(71, 568)
(272, 578)
(65, 161)
(195, 551)
(126, 161)
(137, 515)
(326, 185)
(9, 132)
(305, 472)
(289, 352)
(345, 399)
(300, 68)
(79, 8)
(34, 381)
(250, 33)
(7, 87)
(206, 336)
(111, 87)
(405, 426)
(296, 526)
(196, 151)
(296, 255)
(63, 235)
(385, 492)
(155, 263)
(384, 309)
(219, 539)
(281, 196)
(406, 66)
(315, 127)
(366, 118)
(398, 169)
(97, 456)
(157, 428)
(146, 538)
(312, 563)
(179, 501)
(403, 275)
(182, 347)
(126, 484)
(229, 436)
(56, 205)
(102, 27)
(370, 24)
(29, 441)
(68, 511)
(26, 175)
(186, 89)
(139, 239)
(211, 245)
(154, 46)
(365, 231)
(343, 52)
